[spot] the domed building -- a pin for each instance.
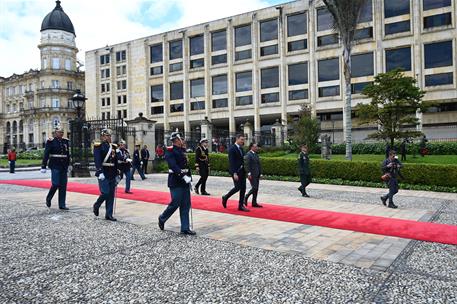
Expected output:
(33, 103)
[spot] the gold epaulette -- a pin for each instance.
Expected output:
(114, 146)
(50, 138)
(97, 144)
(65, 138)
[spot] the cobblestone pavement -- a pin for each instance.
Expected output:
(48, 256)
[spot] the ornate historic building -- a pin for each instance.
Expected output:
(33, 103)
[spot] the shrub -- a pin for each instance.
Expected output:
(32, 154)
(434, 148)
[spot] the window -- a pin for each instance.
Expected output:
(357, 88)
(363, 33)
(119, 114)
(45, 63)
(244, 81)
(324, 19)
(297, 45)
(394, 8)
(174, 108)
(122, 85)
(362, 65)
(243, 35)
(438, 79)
(329, 69)
(296, 24)
(438, 54)
(269, 98)
(243, 55)
(121, 70)
(69, 85)
(108, 101)
(218, 40)
(174, 67)
(157, 93)
(197, 87)
(327, 40)
(219, 59)
(269, 78)
(156, 53)
(269, 50)
(298, 73)
(176, 90)
(55, 102)
(119, 99)
(120, 56)
(220, 103)
(197, 105)
(197, 63)
(298, 94)
(124, 98)
(156, 110)
(197, 45)
(329, 91)
(67, 64)
(105, 73)
(156, 70)
(438, 20)
(366, 14)
(104, 59)
(268, 30)
(219, 84)
(175, 49)
(108, 115)
(397, 27)
(55, 84)
(103, 102)
(55, 63)
(244, 100)
(398, 58)
(431, 4)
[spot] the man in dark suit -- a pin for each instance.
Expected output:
(137, 163)
(145, 158)
(254, 170)
(236, 170)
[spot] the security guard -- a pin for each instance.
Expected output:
(57, 158)
(202, 166)
(125, 164)
(304, 169)
(107, 173)
(179, 182)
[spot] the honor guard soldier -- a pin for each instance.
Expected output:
(107, 173)
(179, 182)
(57, 158)
(304, 169)
(125, 164)
(202, 166)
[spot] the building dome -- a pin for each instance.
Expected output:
(57, 20)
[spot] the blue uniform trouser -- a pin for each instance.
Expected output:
(107, 189)
(59, 180)
(128, 177)
(12, 166)
(393, 189)
(180, 198)
(138, 168)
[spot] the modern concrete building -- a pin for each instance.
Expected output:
(262, 66)
(33, 103)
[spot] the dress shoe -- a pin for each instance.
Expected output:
(129, 192)
(205, 193)
(257, 206)
(242, 208)
(110, 218)
(196, 190)
(48, 204)
(161, 224)
(305, 194)
(392, 205)
(95, 209)
(300, 189)
(188, 232)
(383, 200)
(64, 208)
(224, 201)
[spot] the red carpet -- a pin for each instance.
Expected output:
(423, 231)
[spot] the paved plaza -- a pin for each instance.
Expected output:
(49, 256)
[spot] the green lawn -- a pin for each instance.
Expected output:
(429, 159)
(21, 163)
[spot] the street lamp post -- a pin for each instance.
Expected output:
(79, 151)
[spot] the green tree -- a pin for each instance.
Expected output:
(306, 129)
(395, 99)
(346, 14)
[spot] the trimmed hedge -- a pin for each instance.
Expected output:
(415, 174)
(434, 148)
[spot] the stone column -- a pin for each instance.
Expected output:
(186, 84)
(166, 87)
(247, 130)
(276, 131)
(255, 72)
(144, 132)
(207, 131)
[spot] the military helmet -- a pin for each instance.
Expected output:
(203, 140)
(122, 142)
(58, 129)
(175, 135)
(105, 132)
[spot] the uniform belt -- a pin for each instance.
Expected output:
(58, 155)
(108, 165)
(182, 171)
(122, 162)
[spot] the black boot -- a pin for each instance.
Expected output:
(392, 205)
(196, 189)
(384, 200)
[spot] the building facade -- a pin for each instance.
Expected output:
(262, 66)
(35, 102)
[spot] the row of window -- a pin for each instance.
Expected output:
(22, 89)
(120, 114)
(121, 99)
(55, 64)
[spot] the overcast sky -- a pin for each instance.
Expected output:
(101, 22)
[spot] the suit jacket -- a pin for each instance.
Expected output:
(236, 160)
(303, 164)
(144, 154)
(253, 166)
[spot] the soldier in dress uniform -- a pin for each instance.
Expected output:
(107, 173)
(304, 169)
(125, 164)
(179, 182)
(57, 158)
(202, 166)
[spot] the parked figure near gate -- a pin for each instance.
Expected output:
(179, 182)
(145, 158)
(202, 166)
(137, 163)
(107, 172)
(125, 164)
(159, 151)
(254, 170)
(57, 158)
(236, 171)
(423, 146)
(12, 159)
(304, 170)
(391, 170)
(403, 149)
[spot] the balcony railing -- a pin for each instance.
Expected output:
(48, 109)
(55, 90)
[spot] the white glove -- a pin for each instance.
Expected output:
(191, 187)
(118, 179)
(43, 170)
(70, 168)
(141, 163)
(187, 179)
(129, 160)
(101, 177)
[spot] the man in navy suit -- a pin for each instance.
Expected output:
(236, 170)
